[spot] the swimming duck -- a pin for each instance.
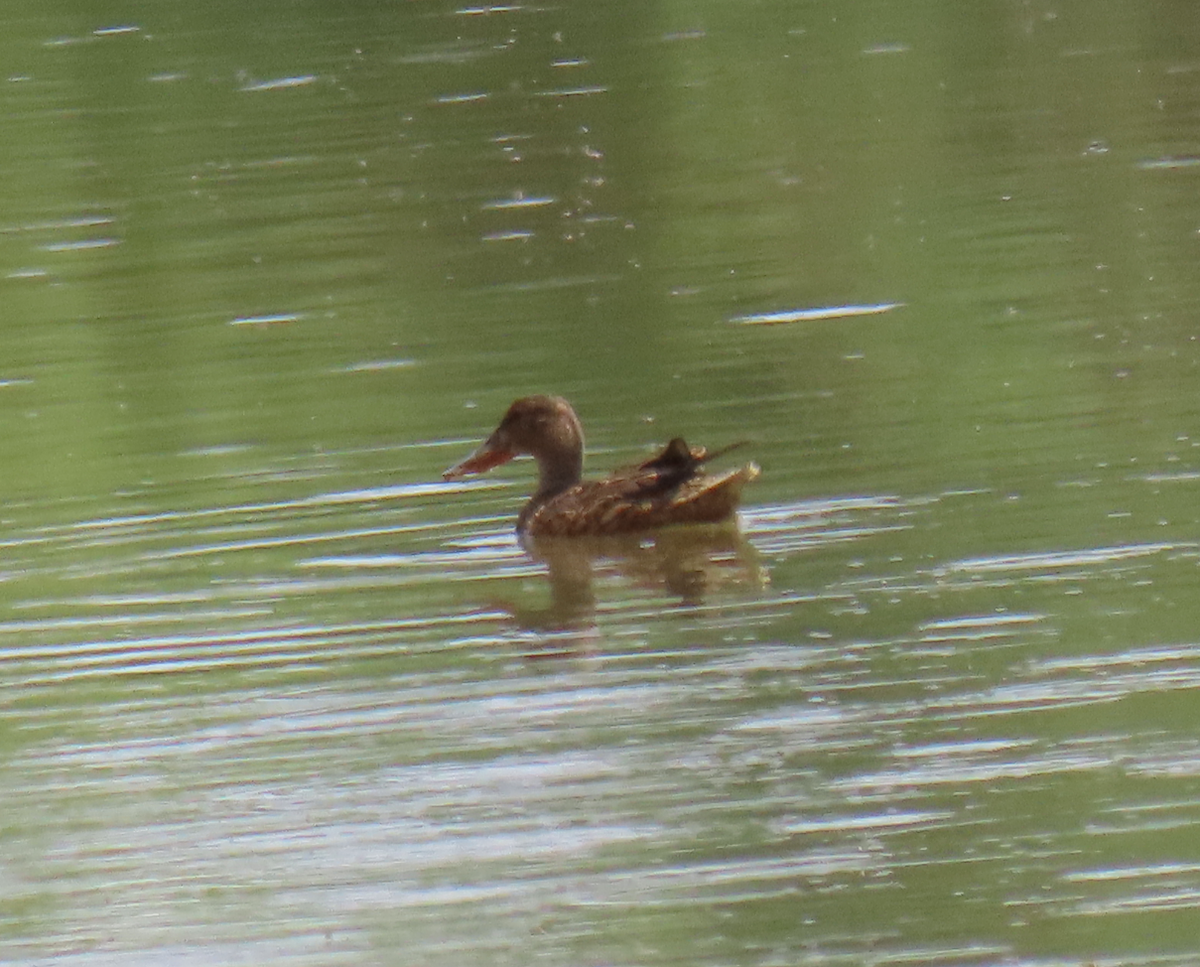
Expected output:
(666, 489)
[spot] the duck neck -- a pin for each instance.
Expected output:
(555, 476)
(558, 470)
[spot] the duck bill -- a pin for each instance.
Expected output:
(482, 460)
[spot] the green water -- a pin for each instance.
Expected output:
(273, 693)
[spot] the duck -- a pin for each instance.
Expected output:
(669, 488)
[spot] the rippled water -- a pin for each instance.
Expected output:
(298, 763)
(275, 693)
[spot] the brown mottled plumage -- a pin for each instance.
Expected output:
(666, 489)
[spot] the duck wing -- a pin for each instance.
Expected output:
(641, 502)
(676, 464)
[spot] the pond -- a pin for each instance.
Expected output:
(274, 692)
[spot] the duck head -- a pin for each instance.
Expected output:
(543, 427)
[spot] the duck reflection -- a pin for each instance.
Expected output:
(687, 564)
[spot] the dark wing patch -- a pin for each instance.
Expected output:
(676, 464)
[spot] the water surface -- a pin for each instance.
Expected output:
(275, 693)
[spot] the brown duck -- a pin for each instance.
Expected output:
(667, 489)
